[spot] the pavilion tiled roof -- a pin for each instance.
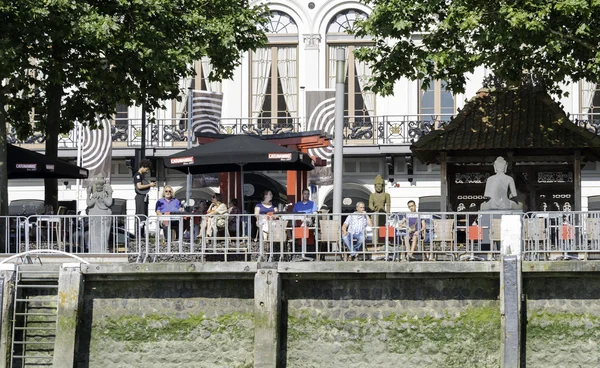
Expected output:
(520, 120)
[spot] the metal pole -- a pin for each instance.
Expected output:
(338, 137)
(79, 161)
(188, 185)
(143, 147)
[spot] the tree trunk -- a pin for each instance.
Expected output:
(4, 235)
(3, 163)
(55, 93)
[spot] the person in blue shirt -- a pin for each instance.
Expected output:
(165, 206)
(305, 205)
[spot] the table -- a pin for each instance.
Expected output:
(299, 232)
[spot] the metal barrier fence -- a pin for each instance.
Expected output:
(410, 236)
(94, 235)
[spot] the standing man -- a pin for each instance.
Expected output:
(142, 188)
(353, 230)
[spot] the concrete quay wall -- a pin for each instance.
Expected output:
(325, 314)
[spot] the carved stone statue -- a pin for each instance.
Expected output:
(99, 202)
(500, 189)
(379, 202)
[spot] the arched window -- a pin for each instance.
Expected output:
(359, 105)
(274, 76)
(436, 103)
(590, 101)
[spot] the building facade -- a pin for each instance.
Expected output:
(275, 90)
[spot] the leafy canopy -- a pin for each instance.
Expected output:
(555, 40)
(76, 59)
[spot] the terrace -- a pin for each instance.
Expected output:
(445, 237)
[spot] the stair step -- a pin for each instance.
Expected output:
(27, 286)
(33, 342)
(36, 314)
(38, 300)
(36, 328)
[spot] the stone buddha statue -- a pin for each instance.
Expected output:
(380, 201)
(500, 189)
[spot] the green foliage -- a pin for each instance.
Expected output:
(556, 40)
(76, 59)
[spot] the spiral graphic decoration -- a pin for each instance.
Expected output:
(206, 111)
(320, 111)
(96, 150)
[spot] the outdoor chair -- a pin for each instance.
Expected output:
(535, 238)
(592, 233)
(276, 235)
(330, 237)
(443, 239)
(496, 234)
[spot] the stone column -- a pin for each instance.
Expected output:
(510, 291)
(267, 318)
(70, 291)
(7, 277)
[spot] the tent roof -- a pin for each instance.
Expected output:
(525, 121)
(26, 164)
(237, 152)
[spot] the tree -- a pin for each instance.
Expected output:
(75, 60)
(555, 40)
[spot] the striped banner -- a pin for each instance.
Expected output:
(206, 111)
(96, 152)
(320, 113)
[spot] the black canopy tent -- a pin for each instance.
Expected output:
(25, 164)
(238, 153)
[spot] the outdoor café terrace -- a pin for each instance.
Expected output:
(292, 237)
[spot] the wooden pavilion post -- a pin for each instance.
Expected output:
(444, 181)
(577, 180)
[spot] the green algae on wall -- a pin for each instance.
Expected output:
(562, 339)
(470, 338)
(159, 327)
(167, 341)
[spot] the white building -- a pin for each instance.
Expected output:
(269, 91)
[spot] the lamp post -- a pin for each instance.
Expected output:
(188, 184)
(338, 139)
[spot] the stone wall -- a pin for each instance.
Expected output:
(562, 322)
(167, 323)
(420, 322)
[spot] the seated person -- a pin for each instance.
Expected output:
(305, 205)
(165, 206)
(262, 211)
(215, 216)
(234, 219)
(353, 229)
(414, 228)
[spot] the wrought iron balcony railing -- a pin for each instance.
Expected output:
(358, 130)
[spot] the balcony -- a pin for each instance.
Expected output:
(358, 130)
